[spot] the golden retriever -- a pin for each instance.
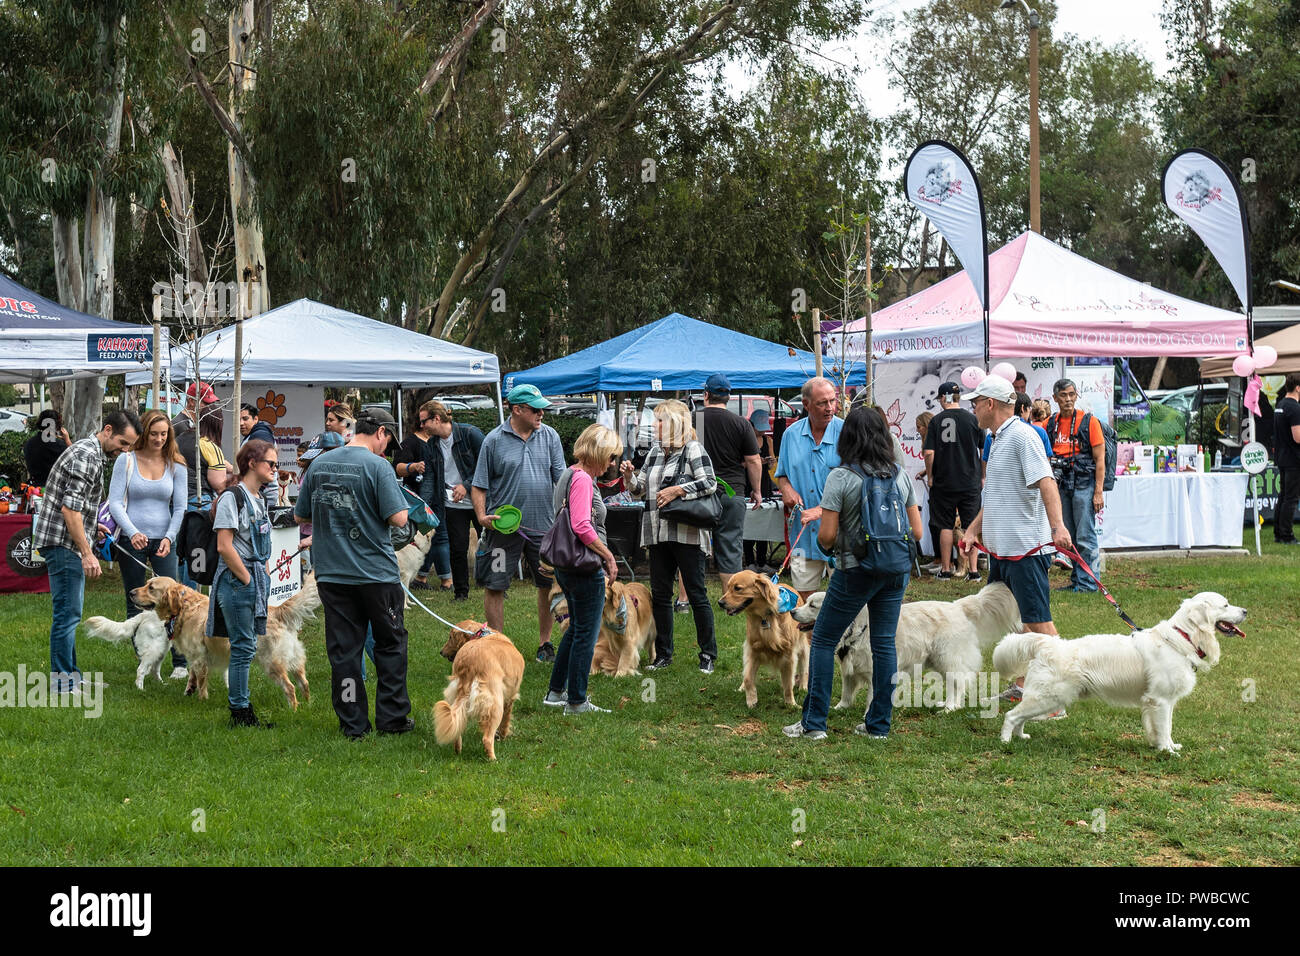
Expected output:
(279, 652)
(627, 627)
(771, 638)
(486, 672)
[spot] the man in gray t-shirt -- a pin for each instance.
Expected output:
(350, 497)
(519, 463)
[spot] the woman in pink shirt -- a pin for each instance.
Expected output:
(595, 449)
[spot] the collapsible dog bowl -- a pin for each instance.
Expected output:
(509, 518)
(788, 600)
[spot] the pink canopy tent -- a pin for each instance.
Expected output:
(1045, 300)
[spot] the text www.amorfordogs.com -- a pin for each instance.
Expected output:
(1203, 923)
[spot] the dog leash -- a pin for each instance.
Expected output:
(438, 617)
(1074, 556)
(150, 571)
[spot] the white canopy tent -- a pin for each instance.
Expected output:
(307, 342)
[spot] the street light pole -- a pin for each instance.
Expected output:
(1035, 207)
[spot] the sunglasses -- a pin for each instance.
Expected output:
(269, 461)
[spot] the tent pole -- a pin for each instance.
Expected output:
(400, 436)
(500, 408)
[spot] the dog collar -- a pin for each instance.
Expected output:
(620, 618)
(170, 624)
(765, 622)
(1188, 638)
(481, 632)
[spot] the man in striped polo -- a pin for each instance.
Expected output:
(1021, 510)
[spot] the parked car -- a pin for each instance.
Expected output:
(469, 400)
(1185, 399)
(745, 405)
(11, 421)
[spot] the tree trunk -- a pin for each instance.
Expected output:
(250, 255)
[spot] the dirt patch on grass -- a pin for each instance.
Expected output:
(1260, 801)
(790, 786)
(1171, 856)
(753, 775)
(749, 728)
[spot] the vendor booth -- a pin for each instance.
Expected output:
(292, 352)
(42, 341)
(1054, 314)
(677, 353)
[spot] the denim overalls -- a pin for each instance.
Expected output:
(241, 608)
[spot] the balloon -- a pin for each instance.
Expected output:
(1243, 365)
(1006, 370)
(972, 376)
(1265, 355)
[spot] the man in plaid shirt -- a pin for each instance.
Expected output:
(64, 529)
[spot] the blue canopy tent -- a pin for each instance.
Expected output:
(676, 353)
(42, 341)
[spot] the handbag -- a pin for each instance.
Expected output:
(563, 549)
(705, 512)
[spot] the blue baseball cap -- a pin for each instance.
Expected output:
(527, 395)
(717, 384)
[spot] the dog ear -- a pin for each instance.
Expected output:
(770, 592)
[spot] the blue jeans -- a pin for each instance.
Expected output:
(439, 556)
(238, 604)
(586, 596)
(133, 575)
(849, 590)
(67, 588)
(1078, 514)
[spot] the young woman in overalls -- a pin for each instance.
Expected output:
(241, 585)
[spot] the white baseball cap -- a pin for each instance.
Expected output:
(995, 387)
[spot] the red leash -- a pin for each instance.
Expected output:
(1073, 556)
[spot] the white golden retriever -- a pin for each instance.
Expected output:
(1152, 668)
(950, 637)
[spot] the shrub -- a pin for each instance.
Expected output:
(569, 427)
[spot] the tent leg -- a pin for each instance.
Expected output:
(400, 436)
(501, 414)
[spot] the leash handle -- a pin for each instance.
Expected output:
(1073, 555)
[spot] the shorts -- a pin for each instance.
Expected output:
(806, 573)
(1027, 579)
(498, 556)
(729, 538)
(945, 508)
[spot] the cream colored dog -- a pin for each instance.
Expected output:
(1152, 668)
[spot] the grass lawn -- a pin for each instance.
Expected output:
(691, 777)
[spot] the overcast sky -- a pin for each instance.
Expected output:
(1107, 21)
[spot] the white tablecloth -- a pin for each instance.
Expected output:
(765, 524)
(1183, 510)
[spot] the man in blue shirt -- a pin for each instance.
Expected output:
(351, 496)
(808, 453)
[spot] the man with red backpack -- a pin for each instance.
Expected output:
(1079, 466)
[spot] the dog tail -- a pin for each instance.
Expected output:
(449, 718)
(302, 606)
(115, 631)
(1014, 652)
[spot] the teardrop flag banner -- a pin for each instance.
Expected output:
(1202, 192)
(940, 182)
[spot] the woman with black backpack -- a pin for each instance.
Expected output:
(872, 559)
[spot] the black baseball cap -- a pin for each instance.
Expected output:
(948, 388)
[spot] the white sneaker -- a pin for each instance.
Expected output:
(586, 707)
(552, 699)
(180, 673)
(87, 682)
(797, 730)
(861, 731)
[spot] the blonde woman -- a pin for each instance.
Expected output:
(673, 546)
(595, 450)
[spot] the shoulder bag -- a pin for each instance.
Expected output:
(563, 549)
(705, 512)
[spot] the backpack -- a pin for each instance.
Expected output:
(197, 541)
(886, 546)
(1108, 437)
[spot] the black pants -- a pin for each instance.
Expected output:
(348, 609)
(458, 522)
(1284, 513)
(756, 552)
(665, 561)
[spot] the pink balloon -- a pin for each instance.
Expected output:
(972, 376)
(1243, 365)
(1265, 355)
(1006, 370)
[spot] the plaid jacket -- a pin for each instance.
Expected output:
(659, 472)
(77, 482)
